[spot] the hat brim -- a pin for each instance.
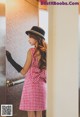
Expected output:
(35, 33)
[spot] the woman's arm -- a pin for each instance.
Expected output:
(12, 61)
(27, 63)
(22, 70)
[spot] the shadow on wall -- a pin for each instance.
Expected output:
(2, 60)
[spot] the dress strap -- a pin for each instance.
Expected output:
(32, 51)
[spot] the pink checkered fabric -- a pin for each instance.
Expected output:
(34, 89)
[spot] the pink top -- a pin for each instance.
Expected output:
(34, 74)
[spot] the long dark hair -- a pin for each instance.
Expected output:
(42, 48)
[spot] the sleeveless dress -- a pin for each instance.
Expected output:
(33, 96)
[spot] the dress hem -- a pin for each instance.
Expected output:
(33, 110)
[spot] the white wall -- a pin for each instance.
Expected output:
(43, 22)
(63, 61)
(2, 30)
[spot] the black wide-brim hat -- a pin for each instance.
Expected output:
(36, 30)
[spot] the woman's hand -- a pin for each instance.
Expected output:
(8, 55)
(12, 61)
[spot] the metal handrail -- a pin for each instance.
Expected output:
(10, 83)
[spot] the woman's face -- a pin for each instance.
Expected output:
(31, 40)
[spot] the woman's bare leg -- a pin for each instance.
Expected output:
(31, 114)
(38, 113)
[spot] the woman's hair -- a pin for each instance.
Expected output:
(42, 48)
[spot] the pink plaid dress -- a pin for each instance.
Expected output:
(34, 89)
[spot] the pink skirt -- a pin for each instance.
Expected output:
(33, 96)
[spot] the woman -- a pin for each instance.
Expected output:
(33, 99)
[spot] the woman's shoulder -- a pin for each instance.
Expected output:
(31, 50)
